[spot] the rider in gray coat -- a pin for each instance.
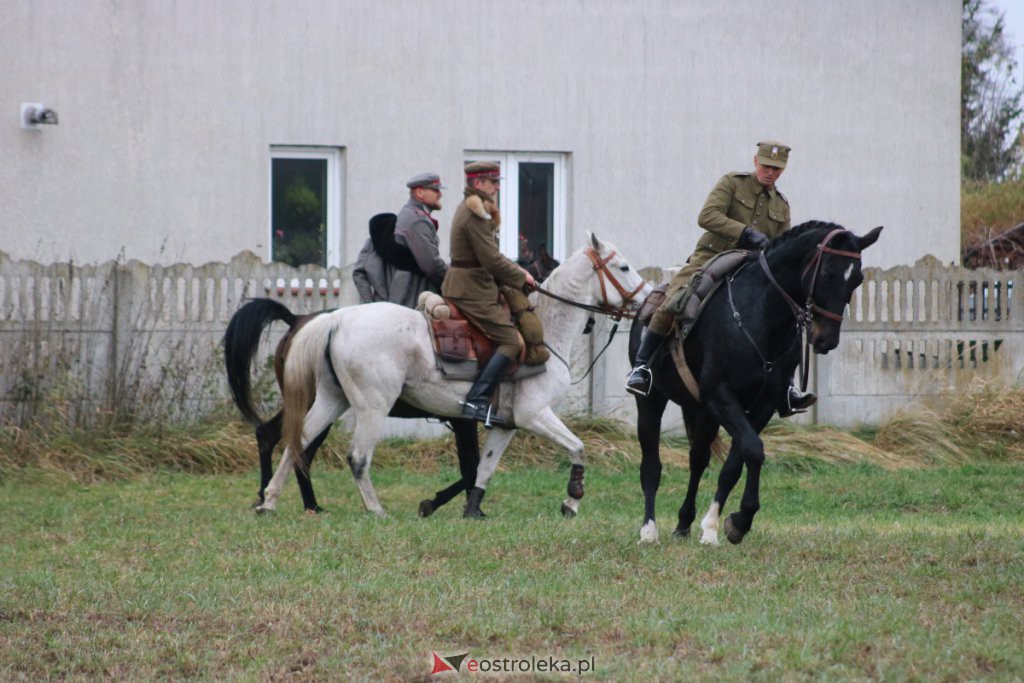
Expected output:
(415, 230)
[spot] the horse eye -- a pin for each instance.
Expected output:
(624, 269)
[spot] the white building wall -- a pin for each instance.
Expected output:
(168, 111)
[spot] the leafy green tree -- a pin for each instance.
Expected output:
(991, 99)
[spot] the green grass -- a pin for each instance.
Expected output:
(850, 573)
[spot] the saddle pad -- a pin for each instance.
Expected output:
(703, 284)
(468, 370)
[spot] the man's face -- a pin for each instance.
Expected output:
(488, 186)
(767, 175)
(428, 197)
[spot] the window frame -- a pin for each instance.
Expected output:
(335, 181)
(508, 197)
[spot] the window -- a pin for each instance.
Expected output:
(305, 205)
(532, 202)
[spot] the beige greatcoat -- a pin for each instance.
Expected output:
(478, 268)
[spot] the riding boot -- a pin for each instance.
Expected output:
(796, 402)
(472, 508)
(640, 378)
(477, 405)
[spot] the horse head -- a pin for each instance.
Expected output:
(829, 274)
(617, 287)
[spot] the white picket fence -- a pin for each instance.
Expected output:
(91, 340)
(88, 341)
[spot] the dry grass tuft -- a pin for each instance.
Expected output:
(829, 445)
(982, 424)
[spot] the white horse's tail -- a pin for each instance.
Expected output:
(302, 366)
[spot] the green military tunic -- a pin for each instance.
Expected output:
(737, 200)
(477, 270)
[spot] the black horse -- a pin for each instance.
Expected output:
(241, 342)
(742, 353)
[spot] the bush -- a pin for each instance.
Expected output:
(987, 209)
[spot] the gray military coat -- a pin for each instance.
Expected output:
(416, 230)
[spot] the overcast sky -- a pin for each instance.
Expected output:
(1014, 17)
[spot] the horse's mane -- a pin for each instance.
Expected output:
(561, 272)
(802, 229)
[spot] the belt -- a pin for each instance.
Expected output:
(465, 263)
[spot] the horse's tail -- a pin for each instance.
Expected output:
(306, 358)
(242, 341)
(718, 449)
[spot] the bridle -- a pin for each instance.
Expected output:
(805, 314)
(623, 310)
(815, 267)
(616, 313)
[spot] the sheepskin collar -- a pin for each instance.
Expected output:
(482, 205)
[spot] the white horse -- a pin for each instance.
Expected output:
(365, 357)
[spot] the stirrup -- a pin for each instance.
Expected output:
(483, 413)
(796, 402)
(639, 381)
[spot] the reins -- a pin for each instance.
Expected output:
(616, 313)
(604, 308)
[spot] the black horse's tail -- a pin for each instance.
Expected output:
(241, 342)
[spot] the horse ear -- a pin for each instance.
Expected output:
(596, 242)
(868, 239)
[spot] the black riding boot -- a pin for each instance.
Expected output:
(477, 405)
(796, 402)
(640, 379)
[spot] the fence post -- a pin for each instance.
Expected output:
(123, 293)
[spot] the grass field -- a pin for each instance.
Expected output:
(851, 572)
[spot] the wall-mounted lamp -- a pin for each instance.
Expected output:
(35, 115)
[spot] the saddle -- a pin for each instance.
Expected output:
(460, 348)
(688, 304)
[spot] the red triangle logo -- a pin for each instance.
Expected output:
(440, 665)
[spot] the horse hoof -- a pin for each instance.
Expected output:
(262, 510)
(426, 508)
(567, 511)
(474, 514)
(732, 532)
(681, 532)
(648, 533)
